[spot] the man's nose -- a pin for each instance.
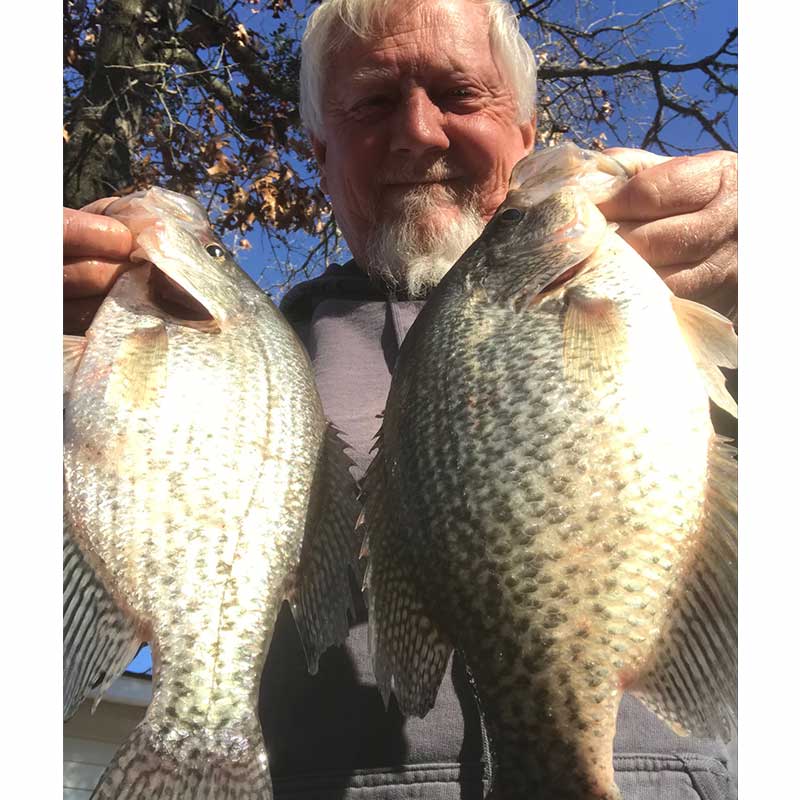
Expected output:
(418, 126)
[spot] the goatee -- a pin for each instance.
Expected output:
(415, 249)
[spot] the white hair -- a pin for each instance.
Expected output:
(329, 26)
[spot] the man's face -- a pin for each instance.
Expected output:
(420, 128)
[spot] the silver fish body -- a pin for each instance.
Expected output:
(549, 496)
(203, 486)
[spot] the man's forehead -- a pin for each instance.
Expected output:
(435, 38)
(377, 19)
(441, 67)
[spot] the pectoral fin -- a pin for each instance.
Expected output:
(139, 369)
(595, 339)
(74, 348)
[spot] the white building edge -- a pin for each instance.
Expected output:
(90, 740)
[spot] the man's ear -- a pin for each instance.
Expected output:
(320, 152)
(528, 130)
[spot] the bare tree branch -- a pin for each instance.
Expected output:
(653, 66)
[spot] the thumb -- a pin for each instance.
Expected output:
(635, 161)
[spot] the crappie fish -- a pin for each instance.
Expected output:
(549, 496)
(203, 485)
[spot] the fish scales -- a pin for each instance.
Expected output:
(545, 500)
(191, 456)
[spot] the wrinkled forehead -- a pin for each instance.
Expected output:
(427, 36)
(379, 18)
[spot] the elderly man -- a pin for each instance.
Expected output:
(417, 113)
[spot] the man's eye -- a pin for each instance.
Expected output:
(374, 107)
(372, 102)
(459, 99)
(460, 93)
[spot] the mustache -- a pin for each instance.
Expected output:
(436, 172)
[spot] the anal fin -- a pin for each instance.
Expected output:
(692, 680)
(409, 652)
(320, 594)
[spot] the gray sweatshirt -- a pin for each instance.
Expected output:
(329, 736)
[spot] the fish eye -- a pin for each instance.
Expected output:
(215, 251)
(512, 215)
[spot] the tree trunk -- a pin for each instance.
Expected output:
(105, 118)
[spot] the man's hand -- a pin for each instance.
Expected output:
(96, 251)
(681, 216)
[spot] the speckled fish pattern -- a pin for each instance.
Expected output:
(549, 498)
(192, 453)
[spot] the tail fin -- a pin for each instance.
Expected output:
(156, 763)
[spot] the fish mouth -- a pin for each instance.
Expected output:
(543, 172)
(565, 277)
(171, 298)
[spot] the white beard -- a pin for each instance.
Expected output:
(406, 252)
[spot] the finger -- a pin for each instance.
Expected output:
(674, 186)
(686, 239)
(712, 280)
(91, 277)
(87, 234)
(635, 161)
(99, 206)
(78, 314)
(684, 281)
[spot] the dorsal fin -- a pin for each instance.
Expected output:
(691, 679)
(713, 343)
(99, 640)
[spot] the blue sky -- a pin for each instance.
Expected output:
(705, 33)
(143, 663)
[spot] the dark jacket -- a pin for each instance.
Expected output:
(329, 736)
